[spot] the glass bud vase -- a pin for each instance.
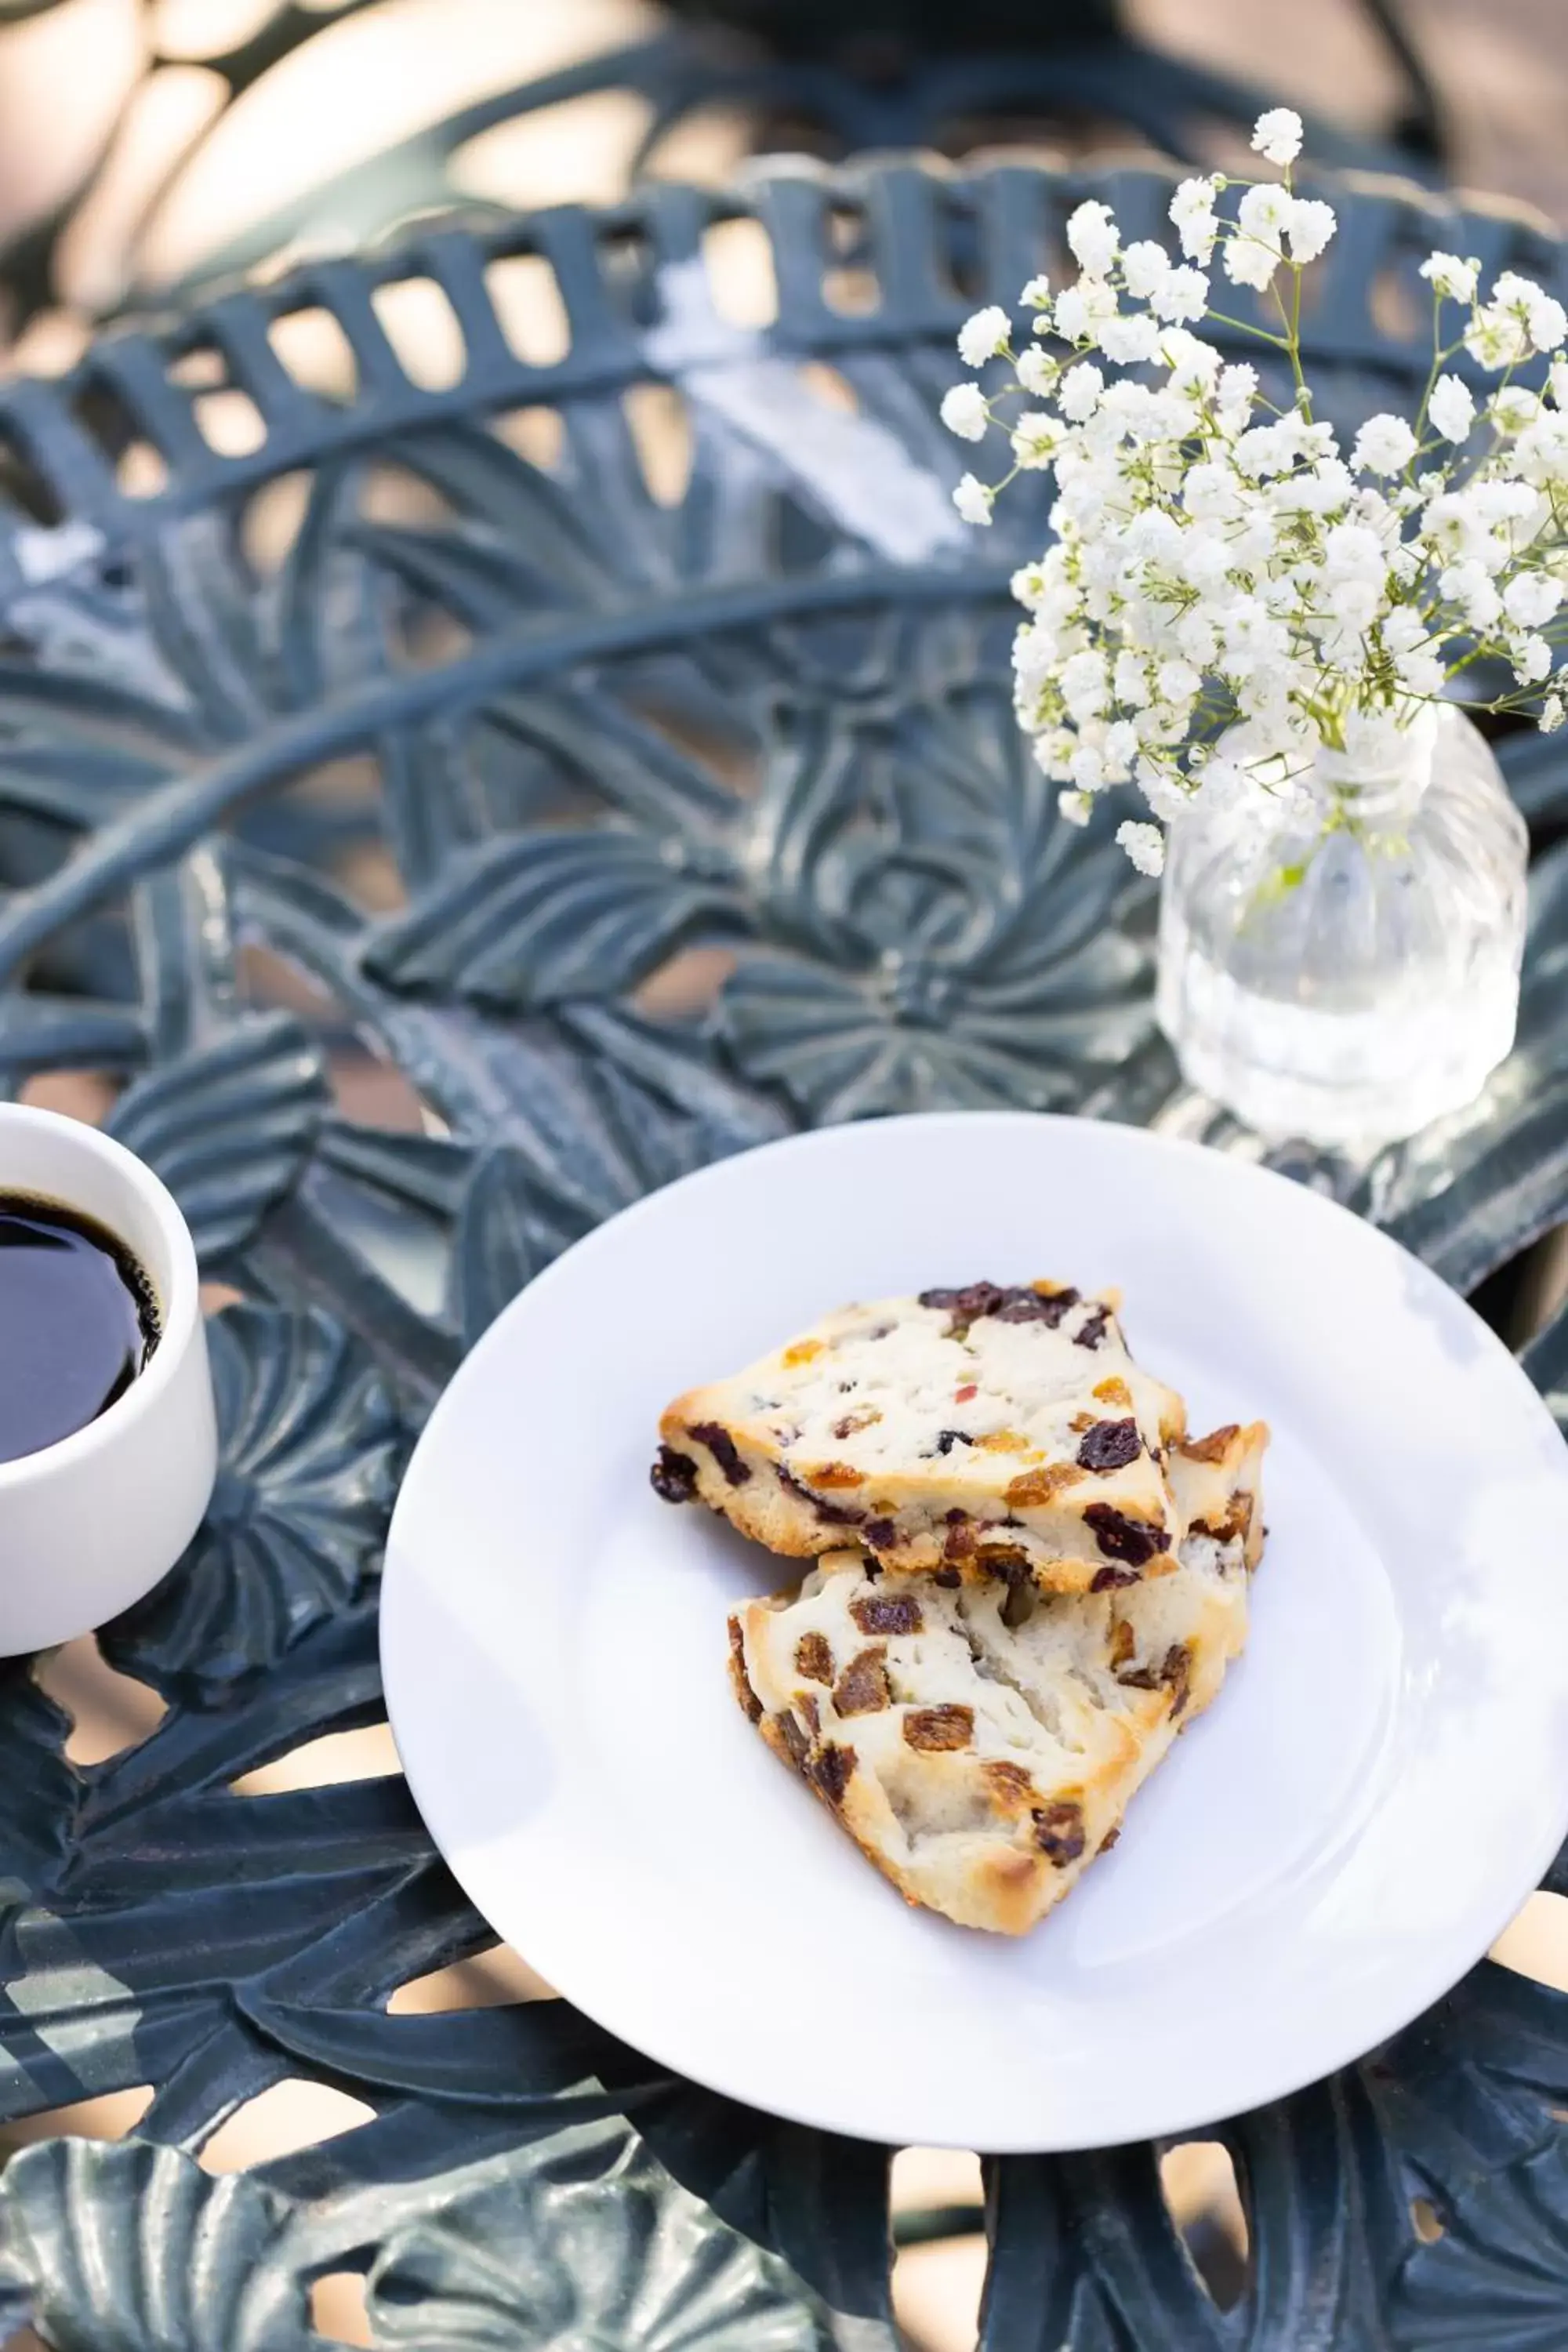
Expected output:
(1339, 962)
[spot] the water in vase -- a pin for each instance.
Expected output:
(1350, 971)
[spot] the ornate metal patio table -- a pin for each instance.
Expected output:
(615, 744)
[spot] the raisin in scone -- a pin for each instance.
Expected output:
(987, 1433)
(980, 1744)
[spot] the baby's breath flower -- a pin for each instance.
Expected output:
(1197, 638)
(1179, 681)
(1511, 407)
(1130, 681)
(1550, 714)
(1422, 672)
(1037, 372)
(1128, 341)
(973, 500)
(1405, 637)
(1119, 749)
(1083, 685)
(1497, 337)
(1530, 599)
(1548, 323)
(1311, 226)
(1211, 493)
(1080, 390)
(1081, 309)
(1453, 279)
(1194, 364)
(983, 336)
(1451, 410)
(1248, 261)
(1543, 317)
(1092, 234)
(1263, 451)
(1235, 389)
(1266, 213)
(1277, 135)
(1193, 214)
(964, 410)
(1253, 546)
(1211, 570)
(1181, 294)
(1037, 293)
(1036, 438)
(1167, 792)
(1053, 750)
(1206, 563)
(1353, 551)
(1532, 659)
(1385, 444)
(1144, 845)
(1467, 585)
(1143, 266)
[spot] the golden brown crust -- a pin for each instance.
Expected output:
(1217, 1484)
(1212, 1448)
(1042, 1485)
(751, 1705)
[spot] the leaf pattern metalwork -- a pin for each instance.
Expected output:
(435, 832)
(133, 2249)
(313, 1448)
(592, 2242)
(229, 1127)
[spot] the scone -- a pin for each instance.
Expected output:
(980, 1744)
(984, 1433)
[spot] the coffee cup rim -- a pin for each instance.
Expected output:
(180, 1309)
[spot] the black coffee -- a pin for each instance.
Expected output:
(77, 1321)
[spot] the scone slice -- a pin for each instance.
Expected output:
(1217, 1485)
(990, 1432)
(982, 1746)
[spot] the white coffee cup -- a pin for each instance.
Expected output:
(90, 1524)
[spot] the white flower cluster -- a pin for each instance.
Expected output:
(1221, 565)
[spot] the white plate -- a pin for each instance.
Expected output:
(1379, 1785)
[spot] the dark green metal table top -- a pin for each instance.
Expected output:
(613, 750)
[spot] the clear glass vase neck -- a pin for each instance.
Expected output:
(1386, 782)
